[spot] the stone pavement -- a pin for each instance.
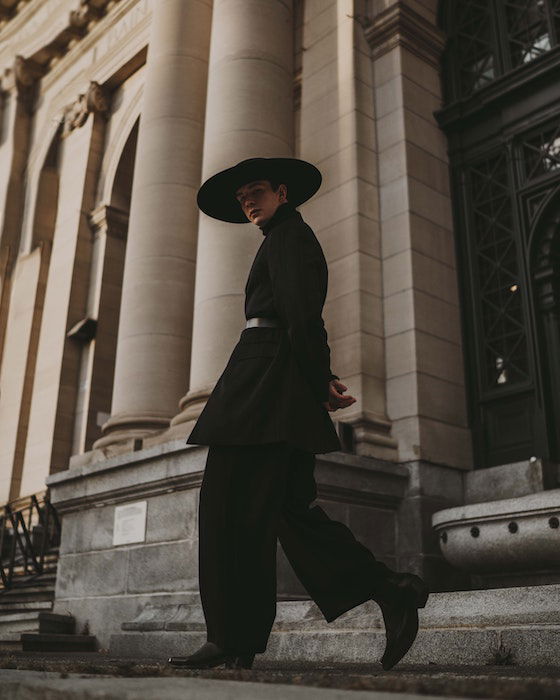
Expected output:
(41, 676)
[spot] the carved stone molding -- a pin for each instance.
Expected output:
(400, 25)
(94, 100)
(109, 220)
(9, 8)
(80, 21)
(25, 74)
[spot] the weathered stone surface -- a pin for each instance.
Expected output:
(91, 573)
(510, 480)
(168, 567)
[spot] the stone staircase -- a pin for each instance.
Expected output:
(27, 622)
(517, 625)
(30, 597)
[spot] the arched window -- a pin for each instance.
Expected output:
(500, 68)
(489, 38)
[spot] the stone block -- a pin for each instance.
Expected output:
(391, 130)
(172, 516)
(163, 567)
(420, 72)
(402, 396)
(374, 528)
(441, 400)
(453, 647)
(534, 645)
(389, 97)
(392, 166)
(357, 352)
(429, 203)
(91, 573)
(426, 168)
(437, 316)
(444, 443)
(155, 645)
(400, 354)
(509, 480)
(422, 132)
(439, 358)
(397, 273)
(87, 530)
(387, 67)
(359, 270)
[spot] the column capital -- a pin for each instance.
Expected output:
(94, 101)
(401, 25)
(23, 78)
(109, 220)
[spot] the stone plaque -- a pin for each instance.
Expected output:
(130, 523)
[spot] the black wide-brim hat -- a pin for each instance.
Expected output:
(216, 197)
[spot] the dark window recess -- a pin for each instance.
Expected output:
(489, 38)
(500, 318)
(527, 29)
(475, 45)
(541, 152)
(500, 73)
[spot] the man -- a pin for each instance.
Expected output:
(264, 422)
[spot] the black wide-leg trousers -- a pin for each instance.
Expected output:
(250, 496)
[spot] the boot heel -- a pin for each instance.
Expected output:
(421, 591)
(240, 661)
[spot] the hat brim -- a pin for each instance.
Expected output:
(216, 197)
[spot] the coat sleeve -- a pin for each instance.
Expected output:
(298, 275)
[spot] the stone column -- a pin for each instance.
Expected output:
(425, 377)
(156, 309)
(249, 113)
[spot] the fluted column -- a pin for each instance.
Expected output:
(156, 309)
(249, 113)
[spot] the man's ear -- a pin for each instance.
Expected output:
(283, 192)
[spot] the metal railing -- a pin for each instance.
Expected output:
(28, 530)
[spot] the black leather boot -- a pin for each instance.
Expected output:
(211, 655)
(399, 606)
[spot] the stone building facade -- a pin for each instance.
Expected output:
(433, 125)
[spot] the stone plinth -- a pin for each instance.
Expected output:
(106, 585)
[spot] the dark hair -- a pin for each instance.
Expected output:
(275, 184)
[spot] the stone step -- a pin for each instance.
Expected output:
(500, 626)
(28, 592)
(25, 606)
(37, 621)
(58, 642)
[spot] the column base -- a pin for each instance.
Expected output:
(191, 405)
(122, 428)
(371, 437)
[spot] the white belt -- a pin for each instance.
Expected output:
(258, 321)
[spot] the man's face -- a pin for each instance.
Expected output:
(259, 201)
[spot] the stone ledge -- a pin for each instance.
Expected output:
(517, 618)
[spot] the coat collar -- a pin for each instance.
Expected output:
(284, 211)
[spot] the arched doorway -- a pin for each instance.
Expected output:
(109, 223)
(545, 271)
(500, 69)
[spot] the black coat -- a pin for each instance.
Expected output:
(276, 378)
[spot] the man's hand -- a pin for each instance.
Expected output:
(336, 398)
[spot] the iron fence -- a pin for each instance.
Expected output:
(28, 530)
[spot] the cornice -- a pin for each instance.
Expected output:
(44, 49)
(9, 9)
(399, 25)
